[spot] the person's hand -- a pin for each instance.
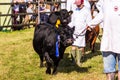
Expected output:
(89, 28)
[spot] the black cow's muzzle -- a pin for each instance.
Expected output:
(68, 42)
(64, 21)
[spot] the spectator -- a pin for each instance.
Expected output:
(55, 7)
(47, 9)
(30, 16)
(80, 17)
(28, 0)
(43, 9)
(110, 45)
(22, 9)
(15, 10)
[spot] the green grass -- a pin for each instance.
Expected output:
(18, 61)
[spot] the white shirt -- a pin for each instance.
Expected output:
(28, 0)
(87, 4)
(71, 5)
(29, 10)
(111, 30)
(80, 19)
(16, 8)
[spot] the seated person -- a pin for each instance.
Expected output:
(43, 8)
(22, 9)
(29, 17)
(43, 11)
(55, 7)
(15, 10)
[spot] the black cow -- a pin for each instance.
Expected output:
(45, 38)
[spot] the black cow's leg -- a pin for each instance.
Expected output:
(48, 71)
(41, 60)
(49, 63)
(55, 66)
(54, 70)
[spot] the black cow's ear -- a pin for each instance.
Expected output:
(52, 18)
(70, 12)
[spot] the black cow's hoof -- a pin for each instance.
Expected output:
(54, 73)
(48, 71)
(41, 65)
(93, 51)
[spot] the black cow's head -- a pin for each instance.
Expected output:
(66, 35)
(65, 16)
(60, 17)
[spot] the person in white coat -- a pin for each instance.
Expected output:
(110, 43)
(80, 17)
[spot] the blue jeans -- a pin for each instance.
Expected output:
(110, 59)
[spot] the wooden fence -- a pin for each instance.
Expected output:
(6, 15)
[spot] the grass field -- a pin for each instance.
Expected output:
(18, 61)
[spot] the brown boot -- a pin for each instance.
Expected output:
(73, 56)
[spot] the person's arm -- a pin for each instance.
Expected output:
(98, 19)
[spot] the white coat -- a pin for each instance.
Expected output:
(111, 30)
(99, 6)
(79, 20)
